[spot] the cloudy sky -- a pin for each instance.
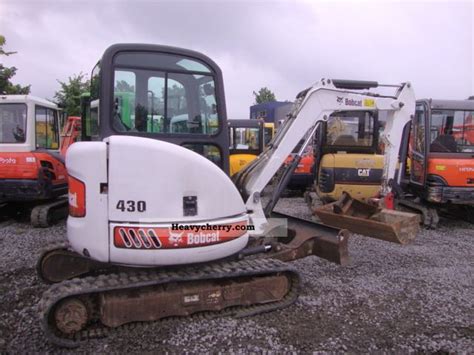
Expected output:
(284, 45)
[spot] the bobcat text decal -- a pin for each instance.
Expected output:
(352, 102)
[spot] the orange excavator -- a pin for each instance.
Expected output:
(33, 176)
(439, 150)
(303, 175)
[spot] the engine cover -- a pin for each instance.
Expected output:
(150, 188)
(168, 178)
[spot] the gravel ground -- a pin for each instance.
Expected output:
(415, 298)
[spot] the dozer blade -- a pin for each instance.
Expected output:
(371, 221)
(57, 262)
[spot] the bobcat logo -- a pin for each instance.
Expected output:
(73, 200)
(7, 161)
(175, 238)
(339, 99)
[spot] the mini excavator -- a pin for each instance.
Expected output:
(156, 226)
(33, 177)
(439, 149)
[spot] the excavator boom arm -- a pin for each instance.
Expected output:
(313, 106)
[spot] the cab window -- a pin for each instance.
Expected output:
(90, 107)
(12, 123)
(47, 128)
(348, 129)
(209, 151)
(419, 129)
(179, 99)
(267, 135)
(452, 131)
(244, 138)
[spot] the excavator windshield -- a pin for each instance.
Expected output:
(244, 138)
(12, 123)
(350, 128)
(176, 98)
(452, 131)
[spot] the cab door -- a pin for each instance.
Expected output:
(47, 128)
(419, 145)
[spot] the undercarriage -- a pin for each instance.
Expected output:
(91, 298)
(41, 214)
(81, 308)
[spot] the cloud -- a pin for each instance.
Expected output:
(285, 46)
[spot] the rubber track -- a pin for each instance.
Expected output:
(128, 280)
(39, 214)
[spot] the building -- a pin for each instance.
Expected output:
(272, 112)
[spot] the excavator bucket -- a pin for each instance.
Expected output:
(371, 221)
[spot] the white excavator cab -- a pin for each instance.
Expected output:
(28, 123)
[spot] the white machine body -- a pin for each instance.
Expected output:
(138, 189)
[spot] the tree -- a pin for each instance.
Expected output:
(69, 96)
(123, 86)
(6, 86)
(264, 95)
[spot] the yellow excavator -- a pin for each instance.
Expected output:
(247, 141)
(348, 156)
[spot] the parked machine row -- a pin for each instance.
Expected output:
(436, 166)
(121, 216)
(167, 213)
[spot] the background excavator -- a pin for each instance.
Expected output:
(437, 152)
(33, 177)
(345, 157)
(155, 221)
(438, 147)
(348, 156)
(304, 174)
(247, 141)
(70, 133)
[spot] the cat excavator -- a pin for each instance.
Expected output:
(156, 227)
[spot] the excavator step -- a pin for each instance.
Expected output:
(82, 308)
